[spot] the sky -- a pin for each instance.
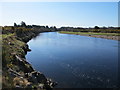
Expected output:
(72, 14)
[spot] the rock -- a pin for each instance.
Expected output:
(24, 65)
(17, 86)
(13, 73)
(41, 78)
(27, 68)
(10, 43)
(41, 86)
(37, 77)
(26, 75)
(26, 48)
(51, 83)
(20, 81)
(32, 79)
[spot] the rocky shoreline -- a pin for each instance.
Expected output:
(33, 76)
(17, 69)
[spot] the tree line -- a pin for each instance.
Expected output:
(23, 28)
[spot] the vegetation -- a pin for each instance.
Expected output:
(10, 45)
(96, 29)
(90, 33)
(100, 32)
(16, 70)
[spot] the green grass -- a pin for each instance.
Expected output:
(14, 47)
(90, 33)
(8, 58)
(6, 35)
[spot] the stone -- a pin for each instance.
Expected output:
(10, 43)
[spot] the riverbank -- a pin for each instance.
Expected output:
(113, 36)
(17, 71)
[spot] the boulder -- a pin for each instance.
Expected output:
(37, 76)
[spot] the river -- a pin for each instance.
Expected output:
(75, 61)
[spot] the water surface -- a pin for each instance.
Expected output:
(75, 61)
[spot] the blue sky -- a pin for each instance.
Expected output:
(75, 14)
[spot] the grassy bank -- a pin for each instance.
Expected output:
(10, 45)
(113, 36)
(17, 72)
(90, 33)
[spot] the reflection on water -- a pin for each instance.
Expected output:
(75, 61)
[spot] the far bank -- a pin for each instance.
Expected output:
(113, 36)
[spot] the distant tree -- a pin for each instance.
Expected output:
(111, 27)
(47, 26)
(29, 26)
(15, 25)
(23, 24)
(54, 27)
(96, 27)
(104, 27)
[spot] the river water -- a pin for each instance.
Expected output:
(75, 61)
